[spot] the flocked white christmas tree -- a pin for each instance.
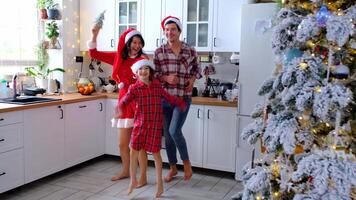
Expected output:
(307, 125)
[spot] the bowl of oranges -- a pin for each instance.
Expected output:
(85, 87)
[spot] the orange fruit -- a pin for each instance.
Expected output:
(81, 90)
(91, 88)
(90, 84)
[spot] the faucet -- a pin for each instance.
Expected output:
(14, 85)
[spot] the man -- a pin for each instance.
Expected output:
(177, 68)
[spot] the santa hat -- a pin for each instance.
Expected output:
(140, 63)
(124, 38)
(173, 19)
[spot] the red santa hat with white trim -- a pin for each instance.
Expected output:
(124, 38)
(140, 63)
(173, 19)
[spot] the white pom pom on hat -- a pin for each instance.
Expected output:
(173, 19)
(143, 62)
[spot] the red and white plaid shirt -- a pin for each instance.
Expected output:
(148, 120)
(185, 65)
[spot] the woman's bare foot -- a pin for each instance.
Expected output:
(142, 182)
(159, 191)
(188, 172)
(132, 186)
(121, 175)
(171, 174)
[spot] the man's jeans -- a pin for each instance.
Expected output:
(172, 127)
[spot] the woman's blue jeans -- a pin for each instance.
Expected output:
(172, 127)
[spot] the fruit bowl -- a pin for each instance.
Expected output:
(86, 89)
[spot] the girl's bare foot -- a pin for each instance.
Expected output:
(188, 172)
(133, 184)
(171, 174)
(119, 176)
(159, 191)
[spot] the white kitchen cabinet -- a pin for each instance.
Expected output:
(152, 14)
(43, 141)
(226, 26)
(11, 170)
(11, 150)
(84, 131)
(89, 10)
(220, 138)
(212, 25)
(119, 15)
(193, 130)
(111, 135)
(210, 133)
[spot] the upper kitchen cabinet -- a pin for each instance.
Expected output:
(152, 15)
(89, 10)
(227, 26)
(212, 25)
(197, 23)
(119, 15)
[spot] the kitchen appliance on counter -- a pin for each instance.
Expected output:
(256, 65)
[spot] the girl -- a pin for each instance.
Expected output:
(128, 52)
(146, 136)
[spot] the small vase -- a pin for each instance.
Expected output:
(42, 83)
(53, 13)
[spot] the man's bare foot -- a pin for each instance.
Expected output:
(188, 172)
(132, 186)
(119, 176)
(159, 191)
(171, 174)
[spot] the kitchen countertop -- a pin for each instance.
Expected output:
(76, 97)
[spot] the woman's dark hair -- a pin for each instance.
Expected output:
(125, 51)
(152, 74)
(172, 22)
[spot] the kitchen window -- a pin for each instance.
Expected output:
(18, 35)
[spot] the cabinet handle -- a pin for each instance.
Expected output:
(82, 106)
(1, 140)
(208, 113)
(62, 115)
(198, 113)
(157, 40)
(3, 173)
(112, 42)
(101, 106)
(214, 43)
(2, 119)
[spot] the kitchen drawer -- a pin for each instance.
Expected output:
(11, 118)
(11, 170)
(11, 137)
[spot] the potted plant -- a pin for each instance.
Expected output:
(41, 72)
(52, 33)
(41, 5)
(52, 10)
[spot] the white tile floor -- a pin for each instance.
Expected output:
(91, 181)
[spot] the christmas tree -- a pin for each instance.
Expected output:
(307, 123)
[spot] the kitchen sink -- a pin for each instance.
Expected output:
(24, 100)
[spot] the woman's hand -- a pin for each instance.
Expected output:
(95, 32)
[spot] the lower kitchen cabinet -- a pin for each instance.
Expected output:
(84, 131)
(111, 135)
(11, 151)
(210, 133)
(43, 141)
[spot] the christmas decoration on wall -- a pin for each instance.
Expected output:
(99, 21)
(307, 121)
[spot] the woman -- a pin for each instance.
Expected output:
(128, 52)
